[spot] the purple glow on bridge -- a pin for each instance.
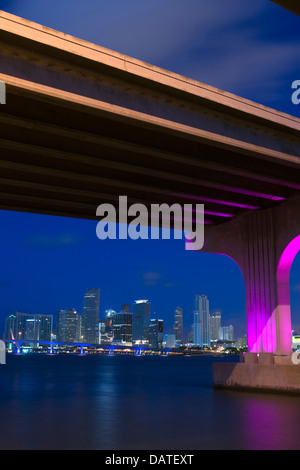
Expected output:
(284, 308)
(217, 214)
(215, 201)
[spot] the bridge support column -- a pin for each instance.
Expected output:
(264, 244)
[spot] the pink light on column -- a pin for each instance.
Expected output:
(284, 307)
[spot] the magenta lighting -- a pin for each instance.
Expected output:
(283, 275)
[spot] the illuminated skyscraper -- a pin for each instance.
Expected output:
(68, 326)
(140, 321)
(201, 321)
(44, 326)
(10, 327)
(122, 328)
(215, 325)
(156, 333)
(33, 327)
(108, 321)
(178, 325)
(226, 333)
(90, 316)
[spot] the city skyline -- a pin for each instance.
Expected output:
(70, 325)
(35, 246)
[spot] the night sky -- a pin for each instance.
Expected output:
(250, 49)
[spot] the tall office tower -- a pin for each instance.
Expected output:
(44, 327)
(202, 321)
(197, 329)
(156, 332)
(125, 308)
(90, 316)
(140, 321)
(191, 335)
(215, 325)
(68, 328)
(122, 328)
(10, 327)
(178, 325)
(29, 327)
(25, 326)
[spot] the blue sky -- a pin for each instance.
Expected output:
(248, 48)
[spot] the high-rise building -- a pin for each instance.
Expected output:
(215, 325)
(31, 327)
(178, 325)
(90, 316)
(24, 326)
(125, 308)
(122, 328)
(68, 329)
(226, 333)
(108, 322)
(191, 335)
(10, 327)
(44, 326)
(140, 321)
(201, 327)
(156, 332)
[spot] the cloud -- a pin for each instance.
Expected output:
(151, 278)
(52, 241)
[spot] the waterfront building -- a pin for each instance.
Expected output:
(226, 333)
(10, 327)
(30, 327)
(90, 316)
(169, 341)
(108, 322)
(215, 325)
(242, 342)
(44, 327)
(140, 321)
(178, 325)
(156, 330)
(68, 329)
(122, 328)
(201, 327)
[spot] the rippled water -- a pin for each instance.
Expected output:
(136, 403)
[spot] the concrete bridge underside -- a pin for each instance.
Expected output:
(83, 125)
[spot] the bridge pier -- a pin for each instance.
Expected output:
(18, 347)
(264, 244)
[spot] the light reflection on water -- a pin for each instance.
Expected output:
(123, 402)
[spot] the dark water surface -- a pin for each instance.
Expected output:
(136, 403)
